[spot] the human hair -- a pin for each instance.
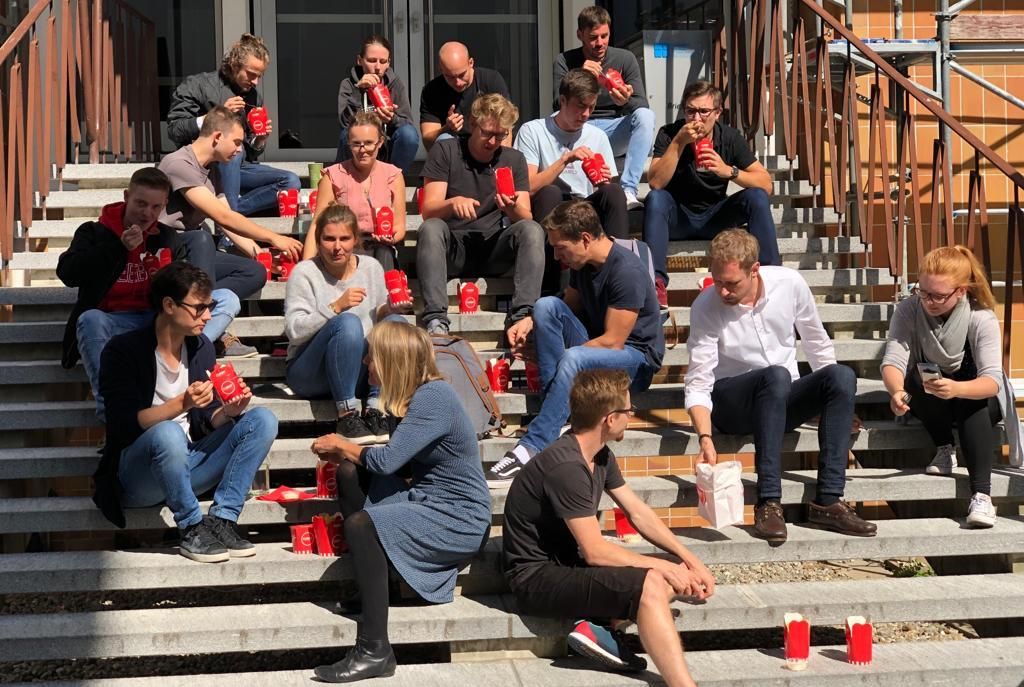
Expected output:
(336, 213)
(960, 265)
(151, 178)
(592, 17)
(701, 88)
(375, 39)
(403, 357)
(594, 394)
(579, 84)
(735, 245)
(245, 47)
(174, 281)
(367, 118)
(220, 119)
(572, 218)
(497, 107)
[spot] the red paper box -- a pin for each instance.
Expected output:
(326, 480)
(302, 539)
(469, 298)
(797, 633)
(860, 637)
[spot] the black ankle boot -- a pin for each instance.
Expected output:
(367, 659)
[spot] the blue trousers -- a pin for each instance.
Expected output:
(251, 187)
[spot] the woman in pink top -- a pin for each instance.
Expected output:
(365, 184)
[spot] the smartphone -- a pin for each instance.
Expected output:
(929, 372)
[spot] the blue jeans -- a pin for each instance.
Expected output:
(665, 218)
(768, 403)
(403, 143)
(559, 338)
(250, 187)
(96, 327)
(634, 136)
(331, 364)
(162, 465)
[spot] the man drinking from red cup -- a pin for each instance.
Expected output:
(169, 437)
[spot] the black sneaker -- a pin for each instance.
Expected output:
(352, 427)
(227, 535)
(504, 471)
(377, 422)
(200, 544)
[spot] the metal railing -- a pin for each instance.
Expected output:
(69, 62)
(773, 74)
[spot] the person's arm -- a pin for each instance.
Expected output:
(618, 323)
(427, 421)
(894, 381)
(755, 176)
(814, 339)
(197, 395)
(435, 201)
(667, 151)
(87, 260)
(303, 315)
(324, 197)
(187, 105)
(517, 210)
(348, 100)
(203, 200)
(986, 346)
(702, 346)
(429, 131)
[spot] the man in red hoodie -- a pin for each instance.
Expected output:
(105, 262)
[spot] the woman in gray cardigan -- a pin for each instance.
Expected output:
(426, 527)
(943, 365)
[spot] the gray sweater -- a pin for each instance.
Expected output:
(311, 290)
(982, 334)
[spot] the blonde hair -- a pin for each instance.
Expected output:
(403, 357)
(960, 264)
(245, 47)
(594, 394)
(497, 107)
(735, 245)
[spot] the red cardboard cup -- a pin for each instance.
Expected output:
(312, 200)
(698, 147)
(593, 167)
(397, 285)
(225, 382)
(469, 298)
(705, 282)
(258, 120)
(860, 636)
(326, 480)
(336, 531)
(797, 632)
(287, 265)
(150, 262)
(325, 533)
(506, 184)
(384, 223)
(624, 529)
(265, 258)
(533, 378)
(284, 204)
(163, 257)
(419, 200)
(612, 79)
(498, 375)
(380, 96)
(302, 539)
(293, 202)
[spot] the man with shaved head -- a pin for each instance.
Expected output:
(447, 98)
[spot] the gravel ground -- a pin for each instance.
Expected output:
(885, 633)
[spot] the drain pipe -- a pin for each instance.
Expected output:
(897, 11)
(943, 18)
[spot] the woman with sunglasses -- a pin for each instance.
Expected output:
(425, 528)
(943, 364)
(365, 184)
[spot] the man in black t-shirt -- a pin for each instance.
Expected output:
(559, 565)
(690, 203)
(446, 100)
(470, 229)
(607, 318)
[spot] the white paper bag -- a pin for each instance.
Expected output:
(720, 493)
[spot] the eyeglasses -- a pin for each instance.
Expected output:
(488, 135)
(702, 112)
(631, 410)
(364, 145)
(197, 309)
(936, 298)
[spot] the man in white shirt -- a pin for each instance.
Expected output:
(743, 379)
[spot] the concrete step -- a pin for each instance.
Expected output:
(274, 563)
(78, 513)
(266, 627)
(998, 662)
(844, 278)
(50, 414)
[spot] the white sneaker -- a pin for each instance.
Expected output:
(981, 512)
(631, 200)
(943, 462)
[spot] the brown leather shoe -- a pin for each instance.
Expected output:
(840, 517)
(769, 523)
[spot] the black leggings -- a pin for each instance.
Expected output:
(368, 558)
(975, 420)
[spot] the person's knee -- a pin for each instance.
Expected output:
(546, 196)
(432, 236)
(529, 236)
(288, 180)
(756, 199)
(346, 471)
(406, 134)
(642, 119)
(777, 380)
(92, 323)
(347, 328)
(261, 420)
(357, 524)
(840, 378)
(573, 361)
(656, 591)
(169, 444)
(227, 301)
(546, 308)
(198, 243)
(658, 201)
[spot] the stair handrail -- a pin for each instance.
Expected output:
(99, 67)
(759, 87)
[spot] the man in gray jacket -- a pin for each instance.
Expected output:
(248, 186)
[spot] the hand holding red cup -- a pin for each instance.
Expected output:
(612, 79)
(258, 121)
(699, 146)
(593, 166)
(504, 181)
(226, 382)
(380, 96)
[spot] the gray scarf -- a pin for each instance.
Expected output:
(941, 342)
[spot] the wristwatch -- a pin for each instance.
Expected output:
(735, 172)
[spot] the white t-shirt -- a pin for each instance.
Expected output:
(171, 383)
(542, 142)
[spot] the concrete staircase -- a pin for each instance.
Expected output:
(57, 546)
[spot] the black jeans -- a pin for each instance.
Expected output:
(442, 253)
(768, 403)
(242, 276)
(975, 420)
